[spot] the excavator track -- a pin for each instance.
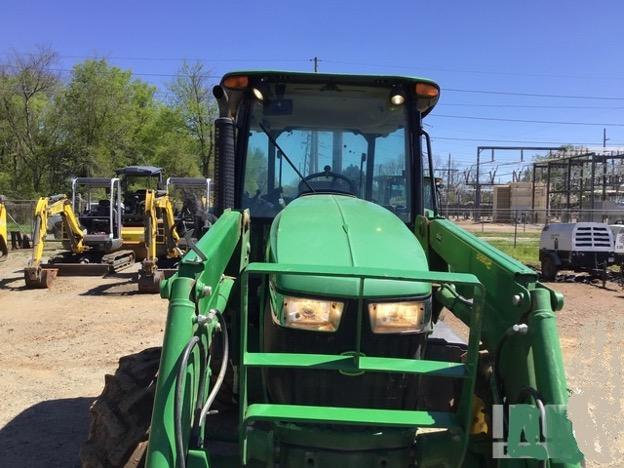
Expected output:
(83, 266)
(118, 260)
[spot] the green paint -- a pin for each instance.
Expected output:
(324, 245)
(340, 230)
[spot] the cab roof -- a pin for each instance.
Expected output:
(144, 171)
(343, 78)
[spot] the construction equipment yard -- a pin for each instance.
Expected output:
(56, 345)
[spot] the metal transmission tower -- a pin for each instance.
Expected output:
(477, 182)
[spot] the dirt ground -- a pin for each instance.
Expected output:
(56, 345)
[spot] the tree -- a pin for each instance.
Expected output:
(191, 95)
(104, 112)
(27, 91)
(256, 172)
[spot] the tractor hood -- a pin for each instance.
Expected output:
(338, 230)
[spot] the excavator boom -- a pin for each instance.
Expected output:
(4, 242)
(46, 207)
(158, 214)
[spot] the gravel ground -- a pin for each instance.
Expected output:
(56, 345)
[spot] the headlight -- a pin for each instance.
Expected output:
(399, 317)
(311, 314)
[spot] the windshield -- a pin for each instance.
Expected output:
(336, 139)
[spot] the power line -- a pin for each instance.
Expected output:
(480, 72)
(340, 62)
(497, 119)
(526, 106)
(456, 90)
(512, 93)
(159, 59)
(491, 140)
(166, 75)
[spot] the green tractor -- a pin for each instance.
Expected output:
(304, 327)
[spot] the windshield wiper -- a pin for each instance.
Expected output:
(285, 156)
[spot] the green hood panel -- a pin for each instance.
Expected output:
(338, 230)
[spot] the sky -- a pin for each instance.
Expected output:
(525, 55)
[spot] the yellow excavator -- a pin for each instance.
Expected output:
(160, 229)
(4, 234)
(91, 233)
(47, 207)
(183, 208)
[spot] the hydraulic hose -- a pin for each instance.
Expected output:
(177, 403)
(518, 328)
(179, 389)
(222, 371)
(539, 402)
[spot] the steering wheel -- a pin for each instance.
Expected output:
(303, 188)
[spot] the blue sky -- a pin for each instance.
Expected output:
(552, 47)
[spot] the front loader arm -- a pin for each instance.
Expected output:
(513, 296)
(199, 294)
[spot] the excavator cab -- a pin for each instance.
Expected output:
(97, 202)
(135, 180)
(191, 202)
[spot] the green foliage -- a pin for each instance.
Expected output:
(192, 98)
(256, 172)
(100, 119)
(28, 129)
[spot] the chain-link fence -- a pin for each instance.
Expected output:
(539, 217)
(517, 232)
(19, 222)
(20, 215)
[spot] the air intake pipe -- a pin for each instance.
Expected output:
(224, 155)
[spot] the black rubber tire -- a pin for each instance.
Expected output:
(549, 269)
(4, 249)
(120, 416)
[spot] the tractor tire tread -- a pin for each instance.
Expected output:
(120, 416)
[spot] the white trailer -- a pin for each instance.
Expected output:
(618, 241)
(575, 246)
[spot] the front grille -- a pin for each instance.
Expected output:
(592, 236)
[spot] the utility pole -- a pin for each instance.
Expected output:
(448, 183)
(316, 61)
(314, 138)
(604, 138)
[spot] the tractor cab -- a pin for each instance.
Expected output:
(306, 134)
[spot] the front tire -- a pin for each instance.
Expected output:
(549, 269)
(120, 416)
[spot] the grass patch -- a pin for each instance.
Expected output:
(526, 251)
(26, 228)
(509, 235)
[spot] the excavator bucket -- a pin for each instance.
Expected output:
(150, 284)
(39, 278)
